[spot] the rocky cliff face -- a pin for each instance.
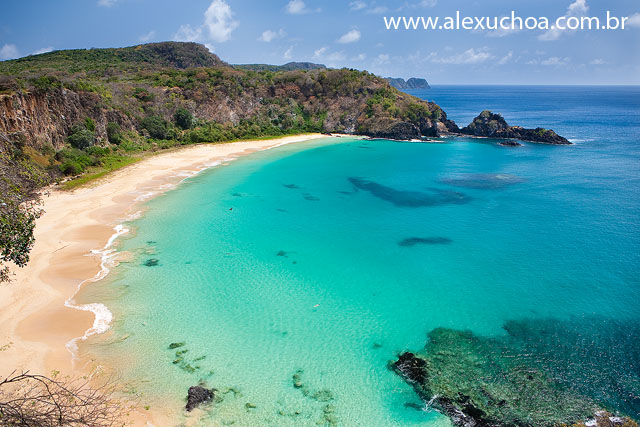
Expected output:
(45, 118)
(488, 124)
(336, 100)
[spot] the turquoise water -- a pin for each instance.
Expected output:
(328, 258)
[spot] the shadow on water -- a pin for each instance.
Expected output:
(410, 199)
(483, 181)
(412, 241)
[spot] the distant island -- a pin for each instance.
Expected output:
(289, 66)
(412, 83)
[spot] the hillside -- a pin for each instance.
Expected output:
(68, 111)
(102, 61)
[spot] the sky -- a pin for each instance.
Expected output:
(348, 33)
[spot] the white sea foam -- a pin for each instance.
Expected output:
(103, 316)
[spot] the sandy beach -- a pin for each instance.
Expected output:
(35, 324)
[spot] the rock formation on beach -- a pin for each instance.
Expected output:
(488, 124)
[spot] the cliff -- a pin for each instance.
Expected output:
(488, 124)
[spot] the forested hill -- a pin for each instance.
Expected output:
(66, 111)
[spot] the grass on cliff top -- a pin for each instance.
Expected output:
(115, 162)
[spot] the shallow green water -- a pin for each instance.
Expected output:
(332, 256)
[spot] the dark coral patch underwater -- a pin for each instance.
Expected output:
(412, 241)
(410, 199)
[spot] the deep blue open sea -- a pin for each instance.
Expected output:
(325, 259)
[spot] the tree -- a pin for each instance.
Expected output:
(156, 126)
(36, 400)
(17, 222)
(183, 118)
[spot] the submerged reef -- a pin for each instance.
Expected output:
(483, 181)
(410, 199)
(542, 373)
(412, 241)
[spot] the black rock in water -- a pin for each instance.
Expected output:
(510, 143)
(488, 124)
(196, 396)
(412, 368)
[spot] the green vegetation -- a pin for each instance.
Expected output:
(183, 118)
(102, 109)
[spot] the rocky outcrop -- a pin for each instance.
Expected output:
(411, 83)
(480, 381)
(196, 396)
(491, 125)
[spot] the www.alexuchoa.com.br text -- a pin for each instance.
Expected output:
(510, 22)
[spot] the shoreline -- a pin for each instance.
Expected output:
(39, 320)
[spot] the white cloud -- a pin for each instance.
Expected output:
(350, 37)
(428, 3)
(219, 21)
(506, 58)
(555, 60)
(378, 10)
(218, 26)
(319, 53)
(268, 36)
(598, 61)
(633, 21)
(106, 3)
(357, 5)
(359, 57)
(577, 8)
(469, 56)
(330, 58)
(288, 54)
(8, 51)
(186, 33)
(43, 50)
(382, 58)
(297, 7)
(146, 37)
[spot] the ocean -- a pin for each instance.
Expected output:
(290, 278)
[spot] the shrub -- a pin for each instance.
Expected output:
(90, 124)
(81, 138)
(114, 133)
(183, 118)
(45, 83)
(156, 126)
(143, 94)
